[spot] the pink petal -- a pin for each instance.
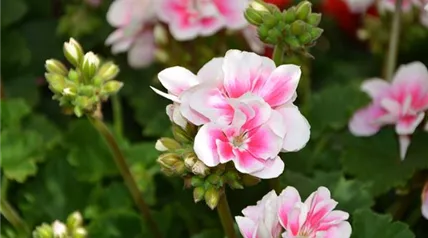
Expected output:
(142, 52)
(297, 128)
(273, 168)
(173, 111)
(364, 122)
(409, 75)
(263, 143)
(296, 218)
(260, 111)
(225, 151)
(245, 162)
(246, 226)
(118, 13)
(205, 145)
(281, 85)
(232, 11)
(333, 219)
(343, 230)
(177, 79)
(375, 88)
(211, 72)
(407, 124)
(255, 212)
(286, 201)
(404, 142)
(190, 114)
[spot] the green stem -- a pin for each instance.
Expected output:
(278, 55)
(117, 115)
(394, 41)
(119, 158)
(13, 217)
(4, 187)
(226, 217)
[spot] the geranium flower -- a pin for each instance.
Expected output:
(252, 141)
(401, 102)
(188, 19)
(314, 217)
(424, 198)
(134, 20)
(261, 220)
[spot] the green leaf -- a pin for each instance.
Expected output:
(367, 224)
(158, 126)
(209, 234)
(89, 152)
(16, 89)
(12, 11)
(375, 160)
(12, 111)
(117, 223)
(14, 49)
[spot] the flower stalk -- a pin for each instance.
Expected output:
(278, 54)
(117, 115)
(120, 161)
(226, 217)
(391, 60)
(13, 217)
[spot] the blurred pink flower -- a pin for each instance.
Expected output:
(94, 3)
(314, 217)
(252, 37)
(134, 34)
(360, 6)
(424, 198)
(401, 102)
(188, 19)
(252, 141)
(261, 220)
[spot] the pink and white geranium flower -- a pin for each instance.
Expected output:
(261, 220)
(401, 102)
(313, 218)
(188, 19)
(134, 34)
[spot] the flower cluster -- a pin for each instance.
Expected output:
(312, 218)
(402, 102)
(73, 228)
(244, 105)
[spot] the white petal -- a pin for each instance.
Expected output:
(177, 79)
(273, 169)
(375, 87)
(297, 128)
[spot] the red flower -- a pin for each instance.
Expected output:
(279, 3)
(339, 11)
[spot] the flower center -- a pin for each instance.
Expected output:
(239, 141)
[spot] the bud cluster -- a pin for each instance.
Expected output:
(208, 183)
(72, 229)
(295, 28)
(84, 87)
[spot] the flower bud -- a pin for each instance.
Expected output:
(253, 16)
(180, 168)
(259, 6)
(305, 38)
(232, 178)
(198, 194)
(314, 19)
(303, 10)
(249, 180)
(80, 233)
(263, 32)
(74, 220)
(56, 82)
(298, 27)
(78, 111)
(108, 71)
(214, 179)
(190, 160)
(289, 16)
(168, 160)
(293, 42)
(59, 229)
(270, 21)
(200, 168)
(73, 52)
(212, 196)
(316, 33)
(112, 87)
(160, 34)
(165, 144)
(69, 91)
(90, 64)
(197, 181)
(43, 231)
(56, 67)
(180, 134)
(73, 76)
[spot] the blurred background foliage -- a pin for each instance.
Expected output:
(53, 164)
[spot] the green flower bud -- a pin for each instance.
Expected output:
(305, 38)
(59, 230)
(160, 34)
(269, 21)
(314, 19)
(165, 144)
(73, 76)
(253, 16)
(197, 181)
(293, 42)
(180, 135)
(316, 33)
(249, 180)
(74, 221)
(212, 196)
(83, 102)
(78, 111)
(86, 90)
(56, 67)
(73, 52)
(168, 160)
(56, 82)
(190, 160)
(303, 10)
(112, 87)
(235, 184)
(90, 64)
(289, 16)
(214, 179)
(43, 231)
(80, 233)
(198, 194)
(200, 168)
(263, 32)
(298, 27)
(108, 71)
(180, 168)
(259, 6)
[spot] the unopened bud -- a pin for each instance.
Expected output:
(59, 229)
(235, 184)
(289, 16)
(90, 64)
(263, 32)
(78, 111)
(214, 179)
(190, 160)
(259, 6)
(74, 220)
(198, 194)
(232, 178)
(249, 180)
(112, 87)
(314, 19)
(298, 27)
(293, 42)
(108, 71)
(316, 33)
(305, 38)
(73, 52)
(200, 168)
(168, 160)
(161, 55)
(180, 134)
(165, 144)
(80, 233)
(56, 67)
(73, 75)
(180, 168)
(212, 196)
(303, 10)
(197, 181)
(56, 82)
(270, 21)
(253, 16)
(43, 231)
(69, 91)
(160, 34)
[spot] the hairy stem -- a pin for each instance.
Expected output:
(13, 217)
(278, 54)
(117, 115)
(394, 41)
(119, 158)
(226, 217)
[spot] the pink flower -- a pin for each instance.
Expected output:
(188, 19)
(133, 18)
(252, 37)
(401, 102)
(360, 6)
(240, 73)
(424, 197)
(252, 141)
(313, 218)
(261, 221)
